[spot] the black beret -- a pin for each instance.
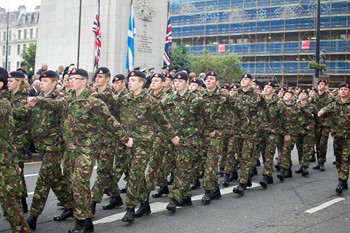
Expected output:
(256, 81)
(287, 91)
(137, 68)
(169, 76)
(235, 86)
(164, 67)
(196, 80)
(80, 72)
(137, 73)
(247, 76)
(322, 81)
(212, 73)
(48, 74)
(3, 73)
(181, 75)
(118, 77)
(159, 75)
(271, 84)
(226, 86)
(344, 85)
(304, 91)
(151, 69)
(102, 70)
(16, 74)
(173, 69)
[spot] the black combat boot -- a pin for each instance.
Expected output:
(162, 190)
(67, 213)
(79, 227)
(312, 159)
(280, 176)
(226, 181)
(187, 201)
(288, 173)
(206, 197)
(345, 184)
(322, 168)
(93, 207)
(196, 184)
(24, 205)
(215, 194)
(239, 189)
(264, 181)
(304, 171)
(125, 188)
(113, 203)
(31, 220)
(249, 184)
(233, 176)
(129, 216)
(172, 205)
(171, 179)
(340, 187)
(221, 172)
(299, 170)
(278, 167)
(144, 209)
(89, 226)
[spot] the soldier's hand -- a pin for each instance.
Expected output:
(130, 143)
(212, 134)
(175, 140)
(287, 138)
(31, 101)
(320, 113)
(94, 94)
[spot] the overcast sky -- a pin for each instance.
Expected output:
(13, 5)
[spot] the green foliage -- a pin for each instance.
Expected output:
(314, 65)
(180, 58)
(228, 66)
(28, 55)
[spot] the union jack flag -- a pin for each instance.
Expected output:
(168, 43)
(96, 29)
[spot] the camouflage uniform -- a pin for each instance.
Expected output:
(185, 113)
(249, 108)
(322, 128)
(21, 134)
(47, 136)
(106, 154)
(139, 114)
(215, 106)
(340, 113)
(10, 182)
(86, 120)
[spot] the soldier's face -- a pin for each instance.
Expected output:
(194, 86)
(303, 96)
(321, 86)
(101, 80)
(65, 80)
(47, 85)
(168, 83)
(268, 90)
(77, 82)
(287, 97)
(119, 85)
(180, 84)
(135, 84)
(211, 82)
(13, 84)
(246, 82)
(344, 92)
(156, 83)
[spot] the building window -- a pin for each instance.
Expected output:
(18, 49)
(9, 50)
(25, 34)
(24, 47)
(3, 50)
(4, 36)
(31, 33)
(19, 34)
(10, 35)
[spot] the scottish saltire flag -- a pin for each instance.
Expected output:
(96, 28)
(131, 34)
(168, 43)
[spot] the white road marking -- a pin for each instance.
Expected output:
(324, 205)
(160, 206)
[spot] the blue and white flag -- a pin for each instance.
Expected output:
(131, 34)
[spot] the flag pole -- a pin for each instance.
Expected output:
(79, 30)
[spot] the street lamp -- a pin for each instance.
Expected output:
(318, 22)
(7, 38)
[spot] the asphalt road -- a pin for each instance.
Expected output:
(298, 205)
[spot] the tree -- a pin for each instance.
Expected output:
(228, 66)
(28, 55)
(180, 59)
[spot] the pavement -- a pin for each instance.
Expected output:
(300, 204)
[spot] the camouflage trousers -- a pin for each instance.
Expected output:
(22, 149)
(159, 165)
(224, 155)
(306, 148)
(322, 134)
(183, 159)
(284, 159)
(342, 157)
(50, 177)
(247, 156)
(269, 146)
(198, 158)
(83, 161)
(212, 151)
(67, 165)
(122, 164)
(10, 198)
(104, 179)
(232, 149)
(137, 188)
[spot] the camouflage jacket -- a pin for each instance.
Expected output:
(322, 101)
(86, 120)
(140, 113)
(159, 96)
(46, 127)
(107, 96)
(184, 112)
(5, 94)
(215, 105)
(307, 117)
(291, 121)
(250, 110)
(275, 112)
(340, 114)
(21, 116)
(119, 98)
